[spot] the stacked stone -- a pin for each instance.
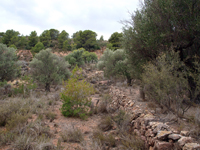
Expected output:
(158, 135)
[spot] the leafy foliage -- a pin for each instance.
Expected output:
(8, 35)
(66, 45)
(86, 39)
(54, 34)
(75, 58)
(115, 40)
(33, 39)
(114, 64)
(63, 36)
(89, 57)
(13, 46)
(161, 26)
(48, 68)
(168, 86)
(75, 97)
(45, 38)
(79, 57)
(22, 44)
(8, 63)
(37, 48)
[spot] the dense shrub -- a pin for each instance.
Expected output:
(114, 64)
(8, 63)
(75, 97)
(80, 57)
(75, 58)
(167, 85)
(37, 48)
(48, 68)
(13, 46)
(89, 57)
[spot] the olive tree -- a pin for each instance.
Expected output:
(8, 63)
(114, 63)
(48, 68)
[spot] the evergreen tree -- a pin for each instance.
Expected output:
(33, 39)
(45, 38)
(7, 36)
(63, 36)
(48, 68)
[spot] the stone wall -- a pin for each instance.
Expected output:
(157, 135)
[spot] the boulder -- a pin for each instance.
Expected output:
(191, 146)
(161, 127)
(148, 118)
(183, 140)
(161, 145)
(184, 133)
(162, 135)
(174, 136)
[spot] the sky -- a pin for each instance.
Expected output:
(100, 16)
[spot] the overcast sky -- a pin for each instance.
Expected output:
(100, 16)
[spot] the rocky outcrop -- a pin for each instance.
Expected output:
(25, 55)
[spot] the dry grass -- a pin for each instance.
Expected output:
(72, 134)
(103, 140)
(106, 123)
(104, 103)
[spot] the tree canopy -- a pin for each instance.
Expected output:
(33, 39)
(48, 68)
(115, 40)
(45, 38)
(86, 39)
(8, 35)
(8, 63)
(161, 26)
(63, 36)
(54, 34)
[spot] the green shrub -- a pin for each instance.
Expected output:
(48, 68)
(75, 96)
(75, 58)
(89, 57)
(13, 46)
(37, 48)
(79, 57)
(166, 82)
(114, 64)
(8, 63)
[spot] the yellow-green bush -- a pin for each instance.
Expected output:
(75, 97)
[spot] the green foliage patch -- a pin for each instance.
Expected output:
(75, 97)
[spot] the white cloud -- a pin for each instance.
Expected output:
(100, 16)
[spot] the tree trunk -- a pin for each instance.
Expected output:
(129, 81)
(47, 87)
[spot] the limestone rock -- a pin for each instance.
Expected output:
(148, 118)
(162, 135)
(161, 127)
(174, 136)
(161, 145)
(191, 146)
(184, 133)
(183, 140)
(131, 104)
